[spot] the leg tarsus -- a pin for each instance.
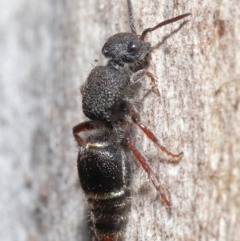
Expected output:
(153, 82)
(152, 78)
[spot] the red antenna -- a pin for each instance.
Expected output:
(171, 20)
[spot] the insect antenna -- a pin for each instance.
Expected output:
(168, 21)
(130, 14)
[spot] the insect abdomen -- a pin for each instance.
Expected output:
(104, 173)
(109, 217)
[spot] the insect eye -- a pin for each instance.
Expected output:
(105, 51)
(132, 47)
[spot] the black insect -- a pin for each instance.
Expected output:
(103, 164)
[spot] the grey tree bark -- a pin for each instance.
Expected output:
(47, 50)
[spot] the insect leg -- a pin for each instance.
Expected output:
(135, 77)
(143, 162)
(151, 136)
(84, 126)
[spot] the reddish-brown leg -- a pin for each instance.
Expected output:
(151, 136)
(84, 126)
(152, 78)
(143, 162)
(153, 82)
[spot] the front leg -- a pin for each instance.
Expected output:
(135, 77)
